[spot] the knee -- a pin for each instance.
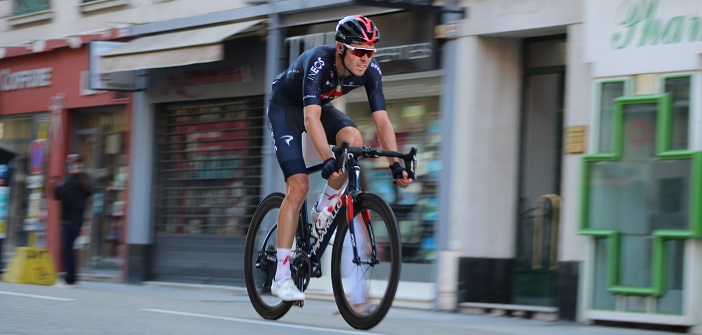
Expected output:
(298, 186)
(355, 141)
(350, 134)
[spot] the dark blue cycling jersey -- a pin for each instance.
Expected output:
(312, 79)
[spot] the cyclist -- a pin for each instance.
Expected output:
(300, 101)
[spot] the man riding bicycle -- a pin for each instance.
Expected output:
(300, 101)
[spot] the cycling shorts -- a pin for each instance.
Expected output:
(287, 123)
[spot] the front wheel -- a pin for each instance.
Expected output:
(364, 286)
(260, 259)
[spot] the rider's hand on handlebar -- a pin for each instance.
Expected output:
(329, 169)
(400, 175)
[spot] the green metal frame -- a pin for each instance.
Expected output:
(663, 152)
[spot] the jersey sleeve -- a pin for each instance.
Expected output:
(313, 67)
(374, 87)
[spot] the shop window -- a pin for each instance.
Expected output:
(679, 88)
(101, 137)
(608, 91)
(417, 124)
(22, 7)
(548, 52)
(15, 138)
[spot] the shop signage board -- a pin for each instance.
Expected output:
(403, 4)
(397, 52)
(642, 36)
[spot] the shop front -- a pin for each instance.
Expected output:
(642, 177)
(208, 133)
(44, 100)
(412, 87)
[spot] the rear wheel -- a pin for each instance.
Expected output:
(365, 287)
(260, 259)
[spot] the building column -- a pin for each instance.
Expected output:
(446, 273)
(141, 166)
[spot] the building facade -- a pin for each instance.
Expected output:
(47, 110)
(559, 147)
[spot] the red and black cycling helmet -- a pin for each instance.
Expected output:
(357, 29)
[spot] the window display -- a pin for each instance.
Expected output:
(101, 137)
(416, 122)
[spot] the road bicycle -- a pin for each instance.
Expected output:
(375, 264)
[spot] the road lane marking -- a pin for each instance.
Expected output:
(36, 296)
(256, 322)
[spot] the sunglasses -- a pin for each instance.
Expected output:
(360, 52)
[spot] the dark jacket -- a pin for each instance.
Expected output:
(73, 192)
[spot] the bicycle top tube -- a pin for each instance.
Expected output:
(410, 158)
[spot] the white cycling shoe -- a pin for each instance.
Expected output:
(286, 290)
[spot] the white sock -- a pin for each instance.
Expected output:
(283, 266)
(328, 197)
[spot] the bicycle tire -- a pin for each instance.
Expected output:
(383, 276)
(263, 229)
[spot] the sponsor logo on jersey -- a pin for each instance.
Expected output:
(314, 69)
(376, 67)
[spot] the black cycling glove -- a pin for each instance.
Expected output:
(397, 170)
(329, 168)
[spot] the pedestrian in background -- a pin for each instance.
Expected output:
(73, 192)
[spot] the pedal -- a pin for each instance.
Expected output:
(300, 303)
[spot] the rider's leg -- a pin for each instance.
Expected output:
(353, 136)
(296, 188)
(286, 126)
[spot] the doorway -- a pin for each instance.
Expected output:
(535, 266)
(100, 137)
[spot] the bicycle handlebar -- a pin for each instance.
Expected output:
(410, 158)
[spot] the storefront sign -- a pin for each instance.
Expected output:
(626, 37)
(641, 26)
(240, 74)
(404, 52)
(398, 51)
(404, 4)
(10, 81)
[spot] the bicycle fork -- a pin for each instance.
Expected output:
(365, 215)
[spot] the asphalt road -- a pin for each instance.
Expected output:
(100, 308)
